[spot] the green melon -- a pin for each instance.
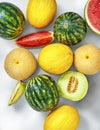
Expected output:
(12, 21)
(41, 93)
(73, 85)
(70, 28)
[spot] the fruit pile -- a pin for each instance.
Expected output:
(42, 92)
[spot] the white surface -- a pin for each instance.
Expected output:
(20, 116)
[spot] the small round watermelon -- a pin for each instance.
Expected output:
(92, 15)
(12, 21)
(70, 28)
(42, 93)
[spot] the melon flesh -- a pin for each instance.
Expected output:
(93, 12)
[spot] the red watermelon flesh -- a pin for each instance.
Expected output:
(93, 12)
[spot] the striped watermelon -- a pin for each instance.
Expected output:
(70, 28)
(12, 21)
(42, 93)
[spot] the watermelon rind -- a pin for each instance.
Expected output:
(91, 27)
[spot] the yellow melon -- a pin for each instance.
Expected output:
(63, 118)
(55, 58)
(40, 13)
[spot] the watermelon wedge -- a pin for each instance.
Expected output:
(92, 15)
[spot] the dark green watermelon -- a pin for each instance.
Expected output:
(70, 28)
(12, 21)
(42, 93)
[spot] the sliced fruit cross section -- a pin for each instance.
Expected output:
(35, 39)
(73, 85)
(17, 92)
(92, 15)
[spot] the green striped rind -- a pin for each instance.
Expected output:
(70, 28)
(12, 21)
(42, 93)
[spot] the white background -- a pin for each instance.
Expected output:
(20, 116)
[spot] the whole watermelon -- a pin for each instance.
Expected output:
(42, 93)
(70, 28)
(12, 21)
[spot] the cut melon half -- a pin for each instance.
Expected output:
(92, 15)
(73, 85)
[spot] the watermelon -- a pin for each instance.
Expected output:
(12, 21)
(35, 39)
(92, 15)
(70, 28)
(41, 93)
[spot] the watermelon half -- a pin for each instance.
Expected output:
(92, 15)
